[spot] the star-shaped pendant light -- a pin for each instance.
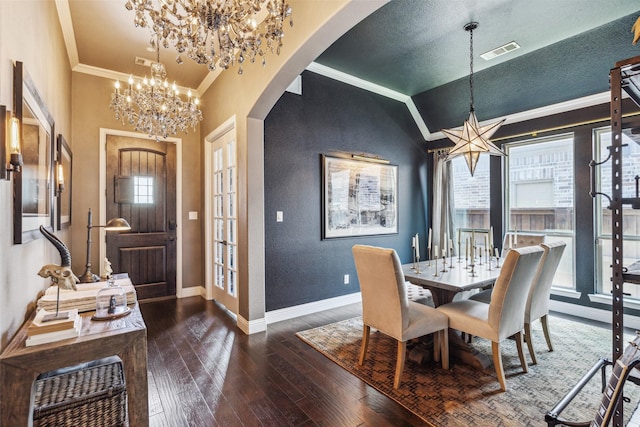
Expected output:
(473, 139)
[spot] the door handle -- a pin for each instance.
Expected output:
(224, 242)
(170, 239)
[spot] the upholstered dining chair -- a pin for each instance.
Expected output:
(385, 307)
(520, 240)
(504, 315)
(538, 299)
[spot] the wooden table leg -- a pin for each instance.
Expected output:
(466, 353)
(134, 358)
(16, 382)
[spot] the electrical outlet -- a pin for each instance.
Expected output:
(346, 279)
(279, 216)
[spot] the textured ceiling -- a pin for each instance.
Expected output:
(106, 38)
(419, 48)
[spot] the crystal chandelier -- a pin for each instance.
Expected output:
(154, 106)
(218, 33)
(473, 139)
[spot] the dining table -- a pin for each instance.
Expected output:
(445, 281)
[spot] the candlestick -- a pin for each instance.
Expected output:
(450, 253)
(491, 236)
(413, 251)
(472, 273)
(466, 252)
(473, 237)
(435, 274)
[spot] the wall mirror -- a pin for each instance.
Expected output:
(64, 160)
(32, 186)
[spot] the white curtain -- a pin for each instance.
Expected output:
(443, 207)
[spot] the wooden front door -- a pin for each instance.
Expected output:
(141, 188)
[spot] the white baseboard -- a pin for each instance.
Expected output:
(591, 313)
(194, 291)
(274, 316)
(251, 326)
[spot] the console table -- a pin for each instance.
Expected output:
(125, 337)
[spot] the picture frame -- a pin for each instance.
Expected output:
(33, 184)
(359, 198)
(64, 159)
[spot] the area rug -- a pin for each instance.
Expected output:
(465, 396)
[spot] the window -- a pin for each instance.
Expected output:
(471, 194)
(540, 195)
(630, 217)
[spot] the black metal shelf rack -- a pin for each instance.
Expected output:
(624, 76)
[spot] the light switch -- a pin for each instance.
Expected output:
(279, 216)
(193, 215)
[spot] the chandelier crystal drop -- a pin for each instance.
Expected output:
(473, 139)
(155, 107)
(218, 33)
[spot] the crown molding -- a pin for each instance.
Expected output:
(536, 113)
(115, 75)
(372, 87)
(66, 24)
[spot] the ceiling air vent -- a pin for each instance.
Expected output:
(494, 53)
(143, 61)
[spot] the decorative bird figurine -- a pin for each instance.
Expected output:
(636, 31)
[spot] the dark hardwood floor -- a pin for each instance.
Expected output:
(204, 371)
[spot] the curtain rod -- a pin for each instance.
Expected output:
(551, 129)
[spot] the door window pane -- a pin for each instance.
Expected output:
(143, 189)
(540, 188)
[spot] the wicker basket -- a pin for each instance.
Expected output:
(92, 394)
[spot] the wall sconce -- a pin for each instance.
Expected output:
(59, 179)
(10, 134)
(114, 224)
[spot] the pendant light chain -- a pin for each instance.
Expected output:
(470, 27)
(473, 139)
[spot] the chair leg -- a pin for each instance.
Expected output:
(497, 363)
(523, 361)
(437, 345)
(529, 340)
(545, 329)
(402, 350)
(444, 347)
(365, 343)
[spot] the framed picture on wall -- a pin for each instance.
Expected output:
(360, 197)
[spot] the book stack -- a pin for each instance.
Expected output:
(42, 330)
(84, 299)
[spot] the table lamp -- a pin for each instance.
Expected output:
(114, 224)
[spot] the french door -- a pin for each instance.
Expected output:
(223, 221)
